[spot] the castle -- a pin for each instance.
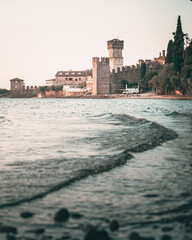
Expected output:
(107, 76)
(109, 73)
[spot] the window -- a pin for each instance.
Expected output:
(70, 79)
(79, 79)
(66, 78)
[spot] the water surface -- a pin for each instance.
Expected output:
(124, 159)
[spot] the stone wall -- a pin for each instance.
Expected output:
(28, 92)
(129, 74)
(101, 74)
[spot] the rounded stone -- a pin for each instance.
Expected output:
(8, 229)
(114, 225)
(134, 236)
(96, 235)
(26, 214)
(166, 237)
(62, 215)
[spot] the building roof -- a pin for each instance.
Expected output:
(53, 79)
(16, 79)
(73, 73)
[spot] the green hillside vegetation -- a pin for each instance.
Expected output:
(4, 92)
(176, 76)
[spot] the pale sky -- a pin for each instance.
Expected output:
(41, 37)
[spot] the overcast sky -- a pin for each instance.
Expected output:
(41, 37)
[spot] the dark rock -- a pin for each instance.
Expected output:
(114, 225)
(97, 235)
(166, 237)
(167, 229)
(11, 237)
(47, 237)
(147, 238)
(8, 229)
(65, 237)
(37, 231)
(76, 215)
(62, 215)
(134, 236)
(26, 214)
(155, 226)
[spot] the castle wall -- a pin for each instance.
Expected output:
(24, 93)
(129, 74)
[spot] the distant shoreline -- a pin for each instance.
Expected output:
(124, 96)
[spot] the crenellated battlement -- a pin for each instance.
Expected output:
(31, 88)
(102, 60)
(124, 69)
(115, 43)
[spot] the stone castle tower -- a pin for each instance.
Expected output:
(115, 48)
(16, 87)
(101, 75)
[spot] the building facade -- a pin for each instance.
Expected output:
(77, 78)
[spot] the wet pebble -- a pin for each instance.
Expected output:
(167, 229)
(8, 229)
(62, 215)
(96, 235)
(64, 238)
(37, 231)
(47, 237)
(27, 214)
(166, 237)
(136, 236)
(11, 237)
(114, 225)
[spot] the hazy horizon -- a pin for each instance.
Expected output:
(41, 37)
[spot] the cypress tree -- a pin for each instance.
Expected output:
(169, 57)
(143, 70)
(178, 47)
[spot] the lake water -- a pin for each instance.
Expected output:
(123, 159)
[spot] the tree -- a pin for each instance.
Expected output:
(143, 70)
(123, 84)
(169, 57)
(147, 78)
(162, 82)
(188, 54)
(178, 47)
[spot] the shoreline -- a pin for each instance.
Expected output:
(122, 96)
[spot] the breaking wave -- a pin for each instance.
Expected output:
(180, 114)
(113, 145)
